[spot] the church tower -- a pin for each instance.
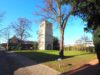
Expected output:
(45, 41)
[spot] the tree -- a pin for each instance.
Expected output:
(96, 39)
(89, 11)
(55, 43)
(83, 42)
(22, 27)
(56, 11)
(5, 33)
(35, 45)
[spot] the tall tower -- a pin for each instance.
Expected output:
(45, 36)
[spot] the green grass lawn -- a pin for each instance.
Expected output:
(72, 60)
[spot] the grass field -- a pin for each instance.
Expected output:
(72, 60)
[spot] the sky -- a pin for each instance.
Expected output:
(15, 9)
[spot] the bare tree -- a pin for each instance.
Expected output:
(83, 42)
(1, 29)
(56, 11)
(22, 27)
(5, 34)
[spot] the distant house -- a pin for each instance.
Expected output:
(27, 45)
(14, 44)
(86, 43)
(14, 40)
(89, 44)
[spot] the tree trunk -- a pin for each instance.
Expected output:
(7, 45)
(20, 44)
(96, 40)
(97, 49)
(61, 51)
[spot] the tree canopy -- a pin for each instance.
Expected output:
(22, 27)
(88, 10)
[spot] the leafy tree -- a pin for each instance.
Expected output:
(56, 11)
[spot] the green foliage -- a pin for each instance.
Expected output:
(35, 45)
(89, 10)
(64, 64)
(14, 47)
(45, 55)
(49, 58)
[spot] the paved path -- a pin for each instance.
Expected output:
(4, 65)
(13, 64)
(25, 66)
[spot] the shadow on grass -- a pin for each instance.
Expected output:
(85, 70)
(40, 57)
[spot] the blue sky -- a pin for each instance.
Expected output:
(15, 9)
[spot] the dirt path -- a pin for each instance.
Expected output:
(92, 68)
(93, 62)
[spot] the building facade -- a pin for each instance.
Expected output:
(14, 44)
(45, 41)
